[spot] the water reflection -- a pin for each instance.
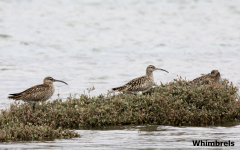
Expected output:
(140, 137)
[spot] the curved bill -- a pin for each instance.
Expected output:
(162, 70)
(59, 81)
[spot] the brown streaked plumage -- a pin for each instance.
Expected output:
(141, 84)
(211, 78)
(38, 93)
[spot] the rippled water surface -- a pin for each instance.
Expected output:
(140, 137)
(105, 43)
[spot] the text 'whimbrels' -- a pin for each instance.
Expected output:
(141, 84)
(38, 93)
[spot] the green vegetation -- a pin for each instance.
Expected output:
(21, 123)
(175, 103)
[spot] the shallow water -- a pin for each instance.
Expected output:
(140, 137)
(105, 44)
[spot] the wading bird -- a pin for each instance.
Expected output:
(39, 93)
(139, 85)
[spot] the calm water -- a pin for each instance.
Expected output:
(139, 137)
(105, 43)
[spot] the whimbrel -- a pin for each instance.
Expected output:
(38, 93)
(141, 84)
(211, 78)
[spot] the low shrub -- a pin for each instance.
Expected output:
(174, 103)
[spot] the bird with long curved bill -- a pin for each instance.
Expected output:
(39, 93)
(141, 84)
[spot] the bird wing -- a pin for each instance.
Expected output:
(35, 93)
(206, 79)
(138, 84)
(199, 79)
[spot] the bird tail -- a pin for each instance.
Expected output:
(119, 89)
(16, 96)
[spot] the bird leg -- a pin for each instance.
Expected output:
(33, 106)
(39, 105)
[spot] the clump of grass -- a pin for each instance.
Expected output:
(199, 104)
(175, 103)
(13, 128)
(31, 132)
